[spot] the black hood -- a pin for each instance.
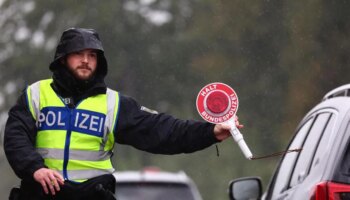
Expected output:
(77, 39)
(64, 82)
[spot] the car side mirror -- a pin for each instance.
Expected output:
(247, 188)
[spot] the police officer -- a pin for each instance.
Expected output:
(61, 132)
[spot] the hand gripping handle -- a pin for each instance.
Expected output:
(238, 137)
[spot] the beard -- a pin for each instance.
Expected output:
(72, 82)
(82, 73)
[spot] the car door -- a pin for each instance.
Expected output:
(296, 167)
(303, 164)
(284, 171)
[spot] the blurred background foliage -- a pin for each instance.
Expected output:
(281, 57)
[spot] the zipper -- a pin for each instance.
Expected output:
(66, 146)
(68, 136)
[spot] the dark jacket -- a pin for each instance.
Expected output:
(155, 133)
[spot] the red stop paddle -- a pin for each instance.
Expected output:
(218, 103)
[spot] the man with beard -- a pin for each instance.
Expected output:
(61, 132)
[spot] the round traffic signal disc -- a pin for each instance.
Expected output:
(217, 102)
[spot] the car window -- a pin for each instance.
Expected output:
(285, 168)
(301, 169)
(322, 147)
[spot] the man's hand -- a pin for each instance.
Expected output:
(222, 131)
(49, 179)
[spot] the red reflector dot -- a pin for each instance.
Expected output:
(217, 102)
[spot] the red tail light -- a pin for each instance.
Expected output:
(331, 191)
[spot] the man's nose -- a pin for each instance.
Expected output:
(85, 58)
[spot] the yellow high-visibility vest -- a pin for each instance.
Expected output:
(77, 142)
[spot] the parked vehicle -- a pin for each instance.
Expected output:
(321, 171)
(153, 184)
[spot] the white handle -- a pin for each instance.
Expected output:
(238, 137)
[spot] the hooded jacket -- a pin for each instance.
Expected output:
(155, 133)
(65, 84)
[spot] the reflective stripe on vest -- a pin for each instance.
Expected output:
(77, 142)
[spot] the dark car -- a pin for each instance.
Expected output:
(322, 169)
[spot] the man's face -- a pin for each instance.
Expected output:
(82, 64)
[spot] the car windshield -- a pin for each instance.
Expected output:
(153, 191)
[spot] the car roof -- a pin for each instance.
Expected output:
(340, 103)
(343, 90)
(151, 176)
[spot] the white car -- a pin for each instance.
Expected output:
(321, 170)
(153, 184)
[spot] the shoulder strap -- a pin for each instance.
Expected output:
(112, 109)
(33, 99)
